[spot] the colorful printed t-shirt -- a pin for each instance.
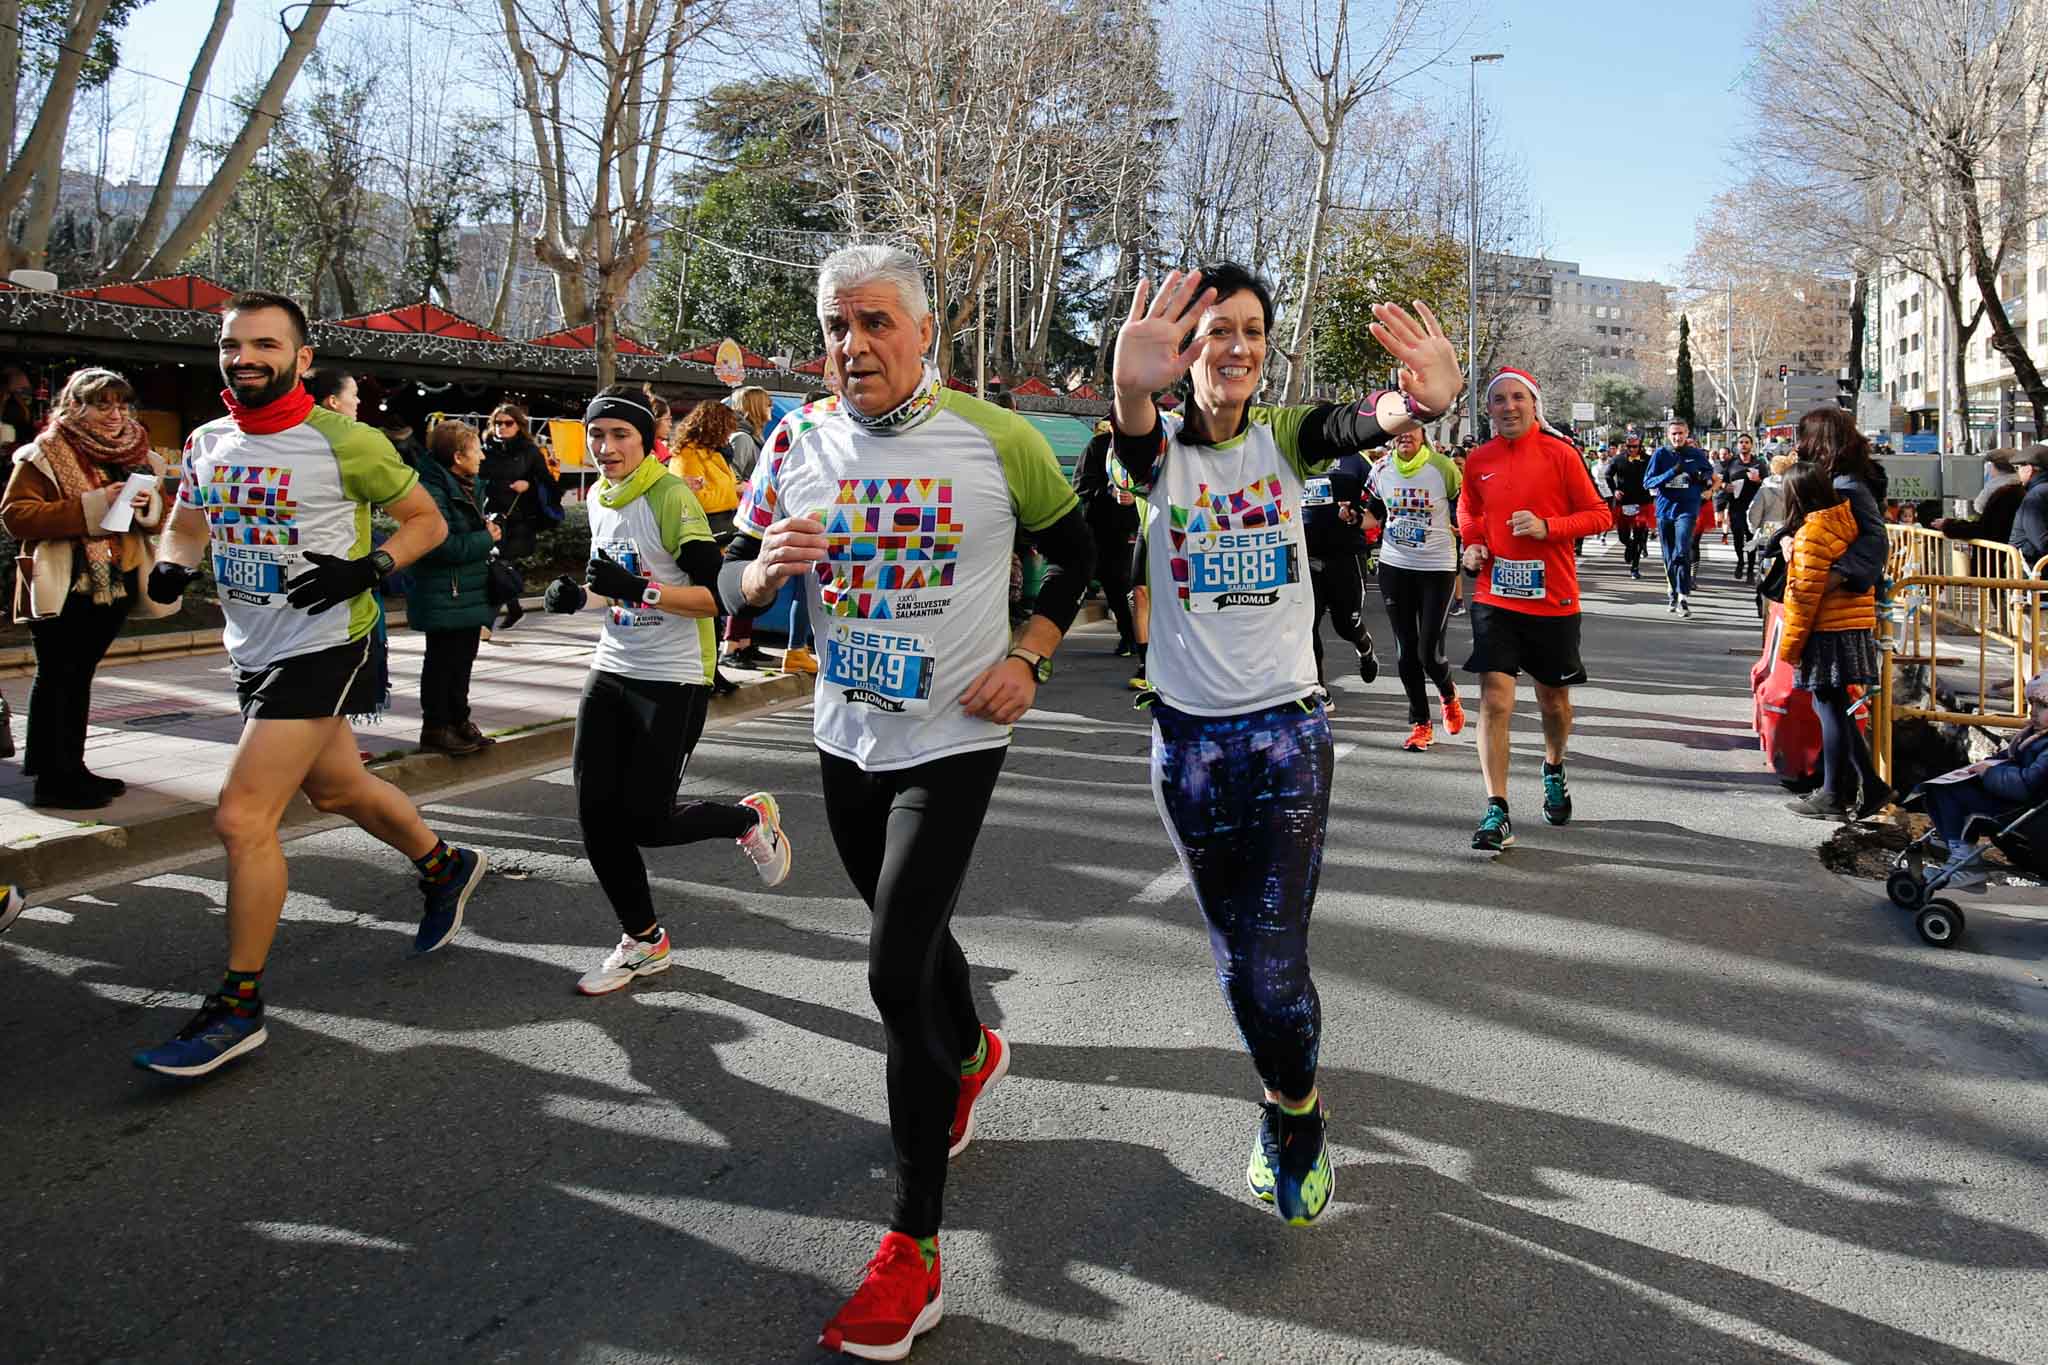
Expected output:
(1419, 532)
(270, 500)
(644, 535)
(912, 602)
(1228, 564)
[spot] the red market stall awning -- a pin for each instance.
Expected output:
(708, 355)
(425, 319)
(1085, 391)
(956, 382)
(1033, 387)
(808, 367)
(585, 339)
(193, 292)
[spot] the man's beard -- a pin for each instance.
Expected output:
(280, 384)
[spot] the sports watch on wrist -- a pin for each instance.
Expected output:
(383, 563)
(651, 596)
(1040, 665)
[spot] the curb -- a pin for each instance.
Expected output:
(19, 661)
(188, 827)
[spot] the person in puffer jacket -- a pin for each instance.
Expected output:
(1830, 641)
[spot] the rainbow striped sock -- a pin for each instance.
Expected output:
(439, 864)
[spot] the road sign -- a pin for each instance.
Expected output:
(1582, 412)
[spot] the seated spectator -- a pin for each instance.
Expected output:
(2012, 779)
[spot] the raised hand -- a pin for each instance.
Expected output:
(1429, 363)
(1148, 353)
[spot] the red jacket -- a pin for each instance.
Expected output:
(1541, 474)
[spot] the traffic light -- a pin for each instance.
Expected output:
(1845, 391)
(1783, 370)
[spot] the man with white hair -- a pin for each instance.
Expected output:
(1525, 498)
(896, 504)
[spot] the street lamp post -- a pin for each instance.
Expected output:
(1472, 384)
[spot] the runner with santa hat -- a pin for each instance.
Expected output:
(1525, 499)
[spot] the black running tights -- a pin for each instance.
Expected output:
(905, 837)
(1418, 602)
(1845, 758)
(632, 740)
(1339, 589)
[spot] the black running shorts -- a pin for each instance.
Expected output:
(1512, 642)
(328, 682)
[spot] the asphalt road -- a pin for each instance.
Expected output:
(1651, 1087)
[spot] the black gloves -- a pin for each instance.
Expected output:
(331, 581)
(167, 581)
(565, 596)
(609, 578)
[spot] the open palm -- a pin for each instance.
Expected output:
(1148, 353)
(1429, 363)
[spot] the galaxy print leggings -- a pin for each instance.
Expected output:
(1245, 800)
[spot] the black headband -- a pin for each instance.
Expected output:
(636, 415)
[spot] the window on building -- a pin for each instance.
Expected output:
(2041, 279)
(2041, 332)
(1916, 342)
(1916, 380)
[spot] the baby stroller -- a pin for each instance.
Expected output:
(2021, 835)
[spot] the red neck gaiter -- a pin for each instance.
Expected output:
(279, 415)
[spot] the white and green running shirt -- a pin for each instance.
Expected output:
(912, 602)
(272, 498)
(1421, 530)
(644, 535)
(1228, 564)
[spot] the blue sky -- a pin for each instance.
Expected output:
(1625, 112)
(1623, 109)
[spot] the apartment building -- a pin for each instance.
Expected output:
(1609, 324)
(1913, 337)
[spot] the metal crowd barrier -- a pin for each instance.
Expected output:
(1969, 605)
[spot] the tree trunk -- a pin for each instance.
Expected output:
(242, 152)
(42, 209)
(503, 303)
(1959, 357)
(2009, 343)
(140, 245)
(606, 336)
(10, 70)
(52, 120)
(1859, 304)
(1311, 261)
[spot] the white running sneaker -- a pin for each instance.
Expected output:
(629, 959)
(765, 843)
(1684, 605)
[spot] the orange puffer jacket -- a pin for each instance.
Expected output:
(1809, 606)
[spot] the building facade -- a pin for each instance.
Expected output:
(1588, 324)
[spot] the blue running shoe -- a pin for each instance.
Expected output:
(1303, 1177)
(445, 901)
(1265, 1160)
(1496, 832)
(216, 1036)
(1557, 798)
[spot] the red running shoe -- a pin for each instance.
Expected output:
(1454, 715)
(898, 1299)
(994, 1067)
(1420, 738)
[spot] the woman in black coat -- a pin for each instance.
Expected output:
(517, 475)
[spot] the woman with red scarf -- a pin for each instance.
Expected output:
(75, 581)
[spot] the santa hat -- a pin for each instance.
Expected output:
(1535, 390)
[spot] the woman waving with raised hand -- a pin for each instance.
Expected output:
(1241, 758)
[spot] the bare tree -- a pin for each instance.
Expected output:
(1321, 64)
(142, 243)
(39, 160)
(234, 163)
(1908, 128)
(596, 82)
(970, 128)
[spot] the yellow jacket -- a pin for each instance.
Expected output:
(1809, 605)
(708, 475)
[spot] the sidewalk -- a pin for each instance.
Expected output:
(167, 727)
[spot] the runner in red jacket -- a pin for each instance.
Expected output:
(1526, 499)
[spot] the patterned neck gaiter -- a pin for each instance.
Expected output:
(922, 403)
